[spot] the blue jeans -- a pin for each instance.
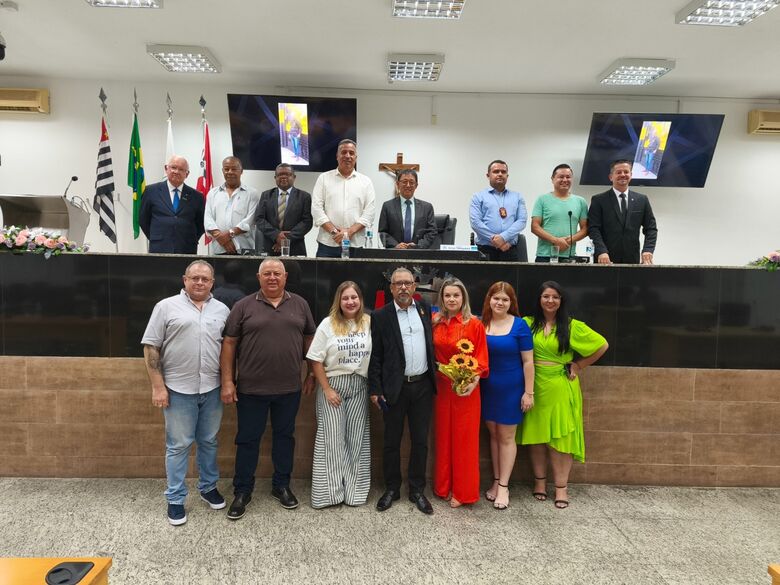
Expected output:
(191, 418)
(324, 251)
(252, 414)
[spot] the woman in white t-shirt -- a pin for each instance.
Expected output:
(339, 355)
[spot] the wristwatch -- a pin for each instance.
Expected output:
(334, 231)
(232, 232)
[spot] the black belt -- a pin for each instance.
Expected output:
(412, 379)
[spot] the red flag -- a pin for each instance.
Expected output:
(206, 178)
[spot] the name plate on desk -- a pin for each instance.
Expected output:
(457, 253)
(458, 247)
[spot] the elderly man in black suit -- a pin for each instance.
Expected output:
(284, 212)
(402, 381)
(614, 219)
(405, 221)
(171, 214)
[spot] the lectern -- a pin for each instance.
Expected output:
(51, 212)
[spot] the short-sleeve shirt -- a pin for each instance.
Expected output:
(341, 355)
(582, 340)
(555, 218)
(270, 342)
(189, 340)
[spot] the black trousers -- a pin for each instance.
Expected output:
(496, 255)
(415, 403)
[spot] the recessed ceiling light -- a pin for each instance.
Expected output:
(423, 9)
(184, 59)
(724, 12)
(126, 3)
(635, 71)
(414, 67)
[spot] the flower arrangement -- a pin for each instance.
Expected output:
(37, 241)
(462, 366)
(771, 261)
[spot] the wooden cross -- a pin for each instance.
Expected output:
(398, 165)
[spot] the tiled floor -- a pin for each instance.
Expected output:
(615, 535)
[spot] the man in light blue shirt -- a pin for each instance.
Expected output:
(498, 216)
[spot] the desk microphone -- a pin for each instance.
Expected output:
(571, 236)
(73, 178)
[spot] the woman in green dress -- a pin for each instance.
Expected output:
(554, 424)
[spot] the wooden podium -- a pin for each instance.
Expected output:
(32, 571)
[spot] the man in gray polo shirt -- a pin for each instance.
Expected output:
(266, 337)
(181, 350)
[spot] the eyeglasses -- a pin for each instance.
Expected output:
(403, 284)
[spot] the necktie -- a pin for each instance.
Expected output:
(623, 207)
(176, 200)
(282, 208)
(408, 222)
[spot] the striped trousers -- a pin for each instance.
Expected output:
(342, 449)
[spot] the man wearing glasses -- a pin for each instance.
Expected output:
(401, 382)
(185, 383)
(405, 221)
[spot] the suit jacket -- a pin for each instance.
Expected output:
(618, 238)
(391, 223)
(171, 232)
(297, 219)
(387, 364)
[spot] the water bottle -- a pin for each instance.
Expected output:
(589, 250)
(345, 245)
(369, 239)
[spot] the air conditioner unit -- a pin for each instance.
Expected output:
(24, 100)
(764, 122)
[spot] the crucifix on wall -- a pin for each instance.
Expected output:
(398, 165)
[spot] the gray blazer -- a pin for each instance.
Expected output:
(391, 223)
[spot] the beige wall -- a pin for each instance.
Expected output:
(92, 417)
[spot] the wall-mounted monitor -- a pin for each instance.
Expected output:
(666, 150)
(303, 131)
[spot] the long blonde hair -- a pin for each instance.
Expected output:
(340, 325)
(465, 308)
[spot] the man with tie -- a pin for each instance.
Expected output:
(402, 381)
(405, 221)
(614, 219)
(498, 216)
(171, 214)
(230, 212)
(284, 212)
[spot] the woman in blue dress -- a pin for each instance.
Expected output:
(508, 391)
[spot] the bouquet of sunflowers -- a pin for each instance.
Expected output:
(462, 367)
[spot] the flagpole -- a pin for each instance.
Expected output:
(170, 150)
(105, 188)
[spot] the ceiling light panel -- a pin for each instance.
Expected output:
(423, 9)
(635, 71)
(126, 3)
(414, 67)
(724, 12)
(185, 59)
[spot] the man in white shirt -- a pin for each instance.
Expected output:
(230, 212)
(343, 201)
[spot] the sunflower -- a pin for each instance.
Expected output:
(472, 363)
(464, 346)
(459, 359)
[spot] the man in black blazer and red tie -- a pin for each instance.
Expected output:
(614, 219)
(171, 214)
(295, 207)
(402, 381)
(405, 221)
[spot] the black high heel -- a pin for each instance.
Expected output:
(499, 506)
(487, 495)
(540, 496)
(562, 504)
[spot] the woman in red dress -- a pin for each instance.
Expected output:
(457, 416)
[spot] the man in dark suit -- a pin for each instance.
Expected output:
(171, 214)
(402, 381)
(405, 221)
(614, 219)
(294, 208)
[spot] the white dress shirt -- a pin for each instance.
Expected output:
(343, 201)
(225, 211)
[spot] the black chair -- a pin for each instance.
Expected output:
(522, 249)
(445, 230)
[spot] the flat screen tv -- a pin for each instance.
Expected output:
(303, 131)
(667, 150)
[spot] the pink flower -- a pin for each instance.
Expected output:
(50, 243)
(774, 256)
(2, 238)
(62, 240)
(24, 233)
(20, 240)
(40, 239)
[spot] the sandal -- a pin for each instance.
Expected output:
(562, 504)
(500, 505)
(491, 497)
(540, 496)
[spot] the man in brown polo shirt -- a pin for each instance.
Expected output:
(265, 339)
